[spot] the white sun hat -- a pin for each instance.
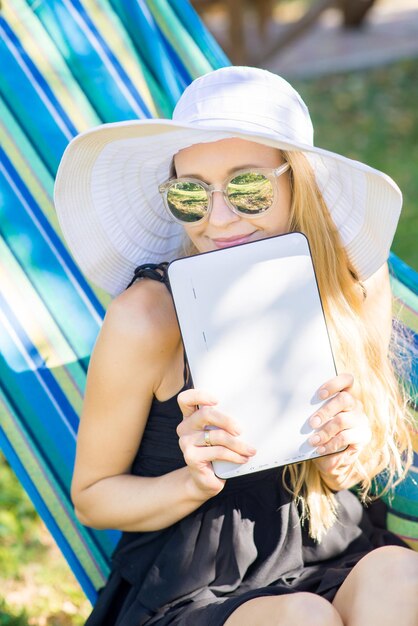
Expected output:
(106, 191)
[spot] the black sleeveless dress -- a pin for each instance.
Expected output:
(246, 542)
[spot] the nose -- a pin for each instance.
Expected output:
(221, 214)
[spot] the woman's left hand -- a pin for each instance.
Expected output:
(340, 424)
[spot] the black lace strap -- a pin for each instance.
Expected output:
(155, 271)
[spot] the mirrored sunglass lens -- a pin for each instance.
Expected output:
(187, 201)
(250, 192)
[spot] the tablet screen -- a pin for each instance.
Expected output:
(255, 337)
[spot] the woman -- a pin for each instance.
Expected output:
(289, 546)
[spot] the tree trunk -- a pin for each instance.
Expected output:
(354, 11)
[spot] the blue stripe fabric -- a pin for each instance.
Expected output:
(18, 86)
(91, 61)
(21, 222)
(404, 273)
(146, 36)
(193, 24)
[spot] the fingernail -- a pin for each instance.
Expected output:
(237, 429)
(321, 450)
(323, 393)
(251, 450)
(315, 421)
(314, 440)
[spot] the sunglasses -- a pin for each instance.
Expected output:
(248, 193)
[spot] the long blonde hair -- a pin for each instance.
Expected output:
(358, 349)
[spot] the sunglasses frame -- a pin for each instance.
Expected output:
(270, 173)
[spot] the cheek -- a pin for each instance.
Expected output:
(282, 208)
(190, 232)
(277, 220)
(195, 235)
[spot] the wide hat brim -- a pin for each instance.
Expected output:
(113, 218)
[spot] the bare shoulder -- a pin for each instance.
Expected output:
(139, 339)
(378, 282)
(378, 302)
(144, 313)
(379, 294)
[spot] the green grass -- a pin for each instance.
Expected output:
(37, 587)
(372, 116)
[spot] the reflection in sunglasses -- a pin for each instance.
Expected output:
(249, 193)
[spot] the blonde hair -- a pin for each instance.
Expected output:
(358, 349)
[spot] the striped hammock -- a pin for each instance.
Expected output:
(67, 65)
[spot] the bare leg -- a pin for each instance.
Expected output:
(381, 589)
(288, 610)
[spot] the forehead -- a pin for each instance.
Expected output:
(225, 154)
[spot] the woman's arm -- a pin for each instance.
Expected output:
(138, 353)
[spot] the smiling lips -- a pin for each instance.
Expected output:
(227, 242)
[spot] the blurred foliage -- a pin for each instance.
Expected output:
(9, 617)
(372, 116)
(37, 587)
(19, 540)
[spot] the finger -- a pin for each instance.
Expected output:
(189, 399)
(204, 417)
(338, 417)
(195, 455)
(219, 437)
(341, 421)
(334, 385)
(343, 401)
(356, 438)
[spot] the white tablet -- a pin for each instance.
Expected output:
(255, 337)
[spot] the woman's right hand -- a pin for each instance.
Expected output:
(200, 418)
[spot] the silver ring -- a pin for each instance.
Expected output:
(207, 437)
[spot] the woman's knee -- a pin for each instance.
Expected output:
(312, 610)
(396, 565)
(381, 588)
(287, 610)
